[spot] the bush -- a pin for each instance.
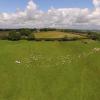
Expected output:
(25, 32)
(13, 35)
(31, 36)
(94, 36)
(65, 38)
(75, 38)
(24, 37)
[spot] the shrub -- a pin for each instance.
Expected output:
(31, 36)
(75, 38)
(24, 37)
(13, 35)
(25, 32)
(94, 36)
(65, 38)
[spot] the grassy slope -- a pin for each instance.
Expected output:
(56, 34)
(49, 34)
(49, 71)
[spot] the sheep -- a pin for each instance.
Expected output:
(18, 62)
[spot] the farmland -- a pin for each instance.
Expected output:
(49, 70)
(56, 34)
(48, 35)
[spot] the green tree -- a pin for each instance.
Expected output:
(94, 35)
(14, 35)
(25, 32)
(31, 36)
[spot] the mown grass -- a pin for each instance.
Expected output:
(49, 70)
(56, 34)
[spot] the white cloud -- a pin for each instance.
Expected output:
(31, 6)
(32, 17)
(96, 3)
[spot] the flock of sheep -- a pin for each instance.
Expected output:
(61, 59)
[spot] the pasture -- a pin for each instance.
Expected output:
(49, 34)
(57, 34)
(49, 70)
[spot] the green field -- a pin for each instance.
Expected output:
(49, 70)
(50, 34)
(56, 34)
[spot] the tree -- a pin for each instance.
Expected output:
(31, 36)
(25, 32)
(14, 35)
(94, 36)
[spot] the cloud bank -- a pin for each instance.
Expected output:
(32, 17)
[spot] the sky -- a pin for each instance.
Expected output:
(74, 14)
(12, 5)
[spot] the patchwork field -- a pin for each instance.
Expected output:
(49, 70)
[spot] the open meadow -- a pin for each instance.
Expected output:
(57, 34)
(50, 50)
(55, 70)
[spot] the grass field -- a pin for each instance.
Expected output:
(49, 70)
(49, 34)
(55, 34)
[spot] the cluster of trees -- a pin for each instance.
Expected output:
(48, 29)
(21, 34)
(94, 35)
(28, 34)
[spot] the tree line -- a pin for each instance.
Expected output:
(28, 34)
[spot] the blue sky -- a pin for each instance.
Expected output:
(11, 5)
(29, 15)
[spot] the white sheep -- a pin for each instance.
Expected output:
(18, 62)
